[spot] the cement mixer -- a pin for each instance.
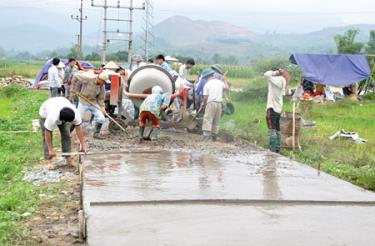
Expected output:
(139, 87)
(144, 78)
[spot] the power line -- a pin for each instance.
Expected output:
(131, 8)
(80, 19)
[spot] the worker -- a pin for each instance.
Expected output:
(218, 74)
(212, 104)
(60, 69)
(54, 81)
(185, 68)
(91, 97)
(160, 60)
(150, 110)
(69, 70)
(219, 71)
(58, 111)
(277, 84)
(138, 62)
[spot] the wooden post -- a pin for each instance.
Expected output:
(294, 127)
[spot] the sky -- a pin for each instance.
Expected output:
(260, 16)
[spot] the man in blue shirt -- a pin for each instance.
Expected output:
(160, 60)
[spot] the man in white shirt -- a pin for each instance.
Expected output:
(277, 84)
(213, 99)
(59, 112)
(185, 68)
(54, 81)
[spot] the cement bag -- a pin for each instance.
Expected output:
(144, 78)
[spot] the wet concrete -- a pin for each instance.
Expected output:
(257, 198)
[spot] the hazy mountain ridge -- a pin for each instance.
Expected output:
(179, 35)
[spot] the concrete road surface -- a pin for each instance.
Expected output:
(178, 198)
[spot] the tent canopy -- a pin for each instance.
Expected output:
(44, 72)
(334, 70)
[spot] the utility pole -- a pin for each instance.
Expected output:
(106, 40)
(80, 19)
(130, 42)
(148, 20)
(77, 45)
(104, 45)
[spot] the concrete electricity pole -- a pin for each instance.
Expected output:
(130, 21)
(148, 20)
(80, 19)
(104, 46)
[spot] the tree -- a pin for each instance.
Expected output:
(24, 55)
(73, 52)
(53, 54)
(370, 47)
(93, 57)
(346, 43)
(216, 58)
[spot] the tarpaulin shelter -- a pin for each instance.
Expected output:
(44, 72)
(334, 70)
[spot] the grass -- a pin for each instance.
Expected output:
(27, 69)
(17, 152)
(344, 159)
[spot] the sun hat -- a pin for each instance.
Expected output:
(104, 77)
(157, 90)
(218, 68)
(207, 72)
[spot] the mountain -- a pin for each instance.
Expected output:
(180, 35)
(180, 30)
(35, 30)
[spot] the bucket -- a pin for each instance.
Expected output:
(286, 128)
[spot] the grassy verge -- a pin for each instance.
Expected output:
(17, 152)
(27, 69)
(344, 159)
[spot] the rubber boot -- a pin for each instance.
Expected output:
(141, 131)
(154, 134)
(98, 127)
(273, 139)
(206, 135)
(278, 142)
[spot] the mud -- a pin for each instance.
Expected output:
(55, 222)
(194, 192)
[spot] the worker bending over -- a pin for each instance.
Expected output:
(212, 104)
(91, 92)
(150, 110)
(277, 84)
(58, 111)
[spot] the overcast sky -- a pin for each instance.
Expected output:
(240, 12)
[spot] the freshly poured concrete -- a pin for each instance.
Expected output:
(174, 198)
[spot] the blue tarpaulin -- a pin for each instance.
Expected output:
(44, 72)
(335, 70)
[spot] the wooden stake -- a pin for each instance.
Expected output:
(294, 127)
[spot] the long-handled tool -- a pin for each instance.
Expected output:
(96, 106)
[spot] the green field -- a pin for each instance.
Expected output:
(27, 69)
(347, 160)
(18, 151)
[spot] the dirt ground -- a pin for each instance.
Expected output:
(56, 221)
